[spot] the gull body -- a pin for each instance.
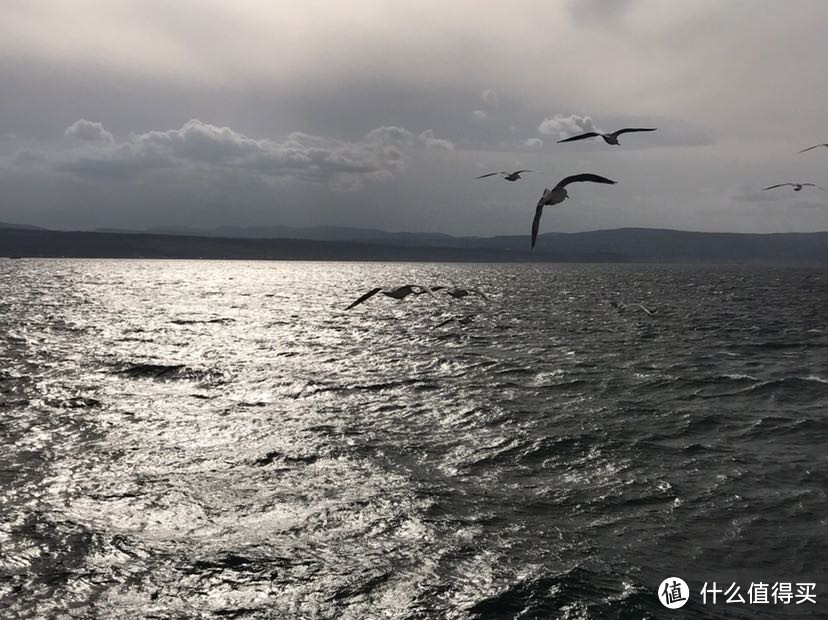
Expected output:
(509, 176)
(558, 194)
(609, 138)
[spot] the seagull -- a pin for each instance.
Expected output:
(816, 146)
(401, 292)
(796, 186)
(459, 293)
(558, 194)
(609, 138)
(509, 176)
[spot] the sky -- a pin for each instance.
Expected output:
(145, 113)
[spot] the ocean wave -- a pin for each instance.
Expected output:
(166, 372)
(577, 593)
(795, 387)
(218, 321)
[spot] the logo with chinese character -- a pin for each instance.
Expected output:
(673, 592)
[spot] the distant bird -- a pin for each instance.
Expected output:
(796, 186)
(509, 176)
(401, 292)
(609, 138)
(816, 146)
(558, 194)
(459, 293)
(462, 320)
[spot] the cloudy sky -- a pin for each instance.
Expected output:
(143, 113)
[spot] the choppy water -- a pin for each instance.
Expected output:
(221, 439)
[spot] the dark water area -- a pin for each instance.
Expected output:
(187, 439)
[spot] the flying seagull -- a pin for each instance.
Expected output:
(796, 186)
(558, 194)
(609, 138)
(509, 176)
(400, 292)
(459, 293)
(816, 146)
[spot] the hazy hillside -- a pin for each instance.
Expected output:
(621, 245)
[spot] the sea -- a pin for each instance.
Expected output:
(223, 439)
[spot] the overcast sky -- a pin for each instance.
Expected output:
(371, 113)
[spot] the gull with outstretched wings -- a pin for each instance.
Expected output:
(796, 186)
(609, 138)
(509, 176)
(558, 194)
(400, 292)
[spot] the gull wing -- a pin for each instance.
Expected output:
(580, 178)
(365, 297)
(430, 291)
(814, 185)
(631, 129)
(583, 136)
(521, 171)
(536, 222)
(811, 148)
(778, 185)
(490, 174)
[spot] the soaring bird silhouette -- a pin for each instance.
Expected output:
(816, 146)
(796, 186)
(609, 138)
(400, 292)
(509, 176)
(558, 194)
(459, 293)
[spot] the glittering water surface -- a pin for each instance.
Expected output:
(223, 439)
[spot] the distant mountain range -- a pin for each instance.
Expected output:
(340, 243)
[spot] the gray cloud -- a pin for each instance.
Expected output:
(87, 131)
(201, 146)
(427, 138)
(489, 97)
(592, 11)
(560, 126)
(329, 104)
